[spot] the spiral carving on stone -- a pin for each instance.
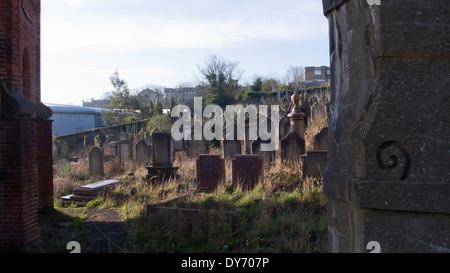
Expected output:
(393, 156)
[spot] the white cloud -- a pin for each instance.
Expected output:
(110, 34)
(74, 2)
(89, 29)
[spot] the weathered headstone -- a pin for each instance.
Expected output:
(113, 148)
(123, 136)
(142, 150)
(63, 167)
(292, 147)
(89, 192)
(321, 140)
(387, 181)
(64, 151)
(196, 147)
(161, 156)
(178, 145)
(125, 150)
(231, 148)
(316, 163)
(284, 127)
(267, 156)
(96, 162)
(210, 172)
(247, 171)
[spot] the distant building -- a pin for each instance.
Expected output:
(96, 103)
(308, 84)
(148, 94)
(182, 95)
(314, 73)
(69, 119)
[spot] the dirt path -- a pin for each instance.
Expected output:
(107, 231)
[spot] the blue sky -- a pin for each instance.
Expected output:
(161, 42)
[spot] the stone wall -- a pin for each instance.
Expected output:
(389, 131)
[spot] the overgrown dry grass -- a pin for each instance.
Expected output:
(283, 213)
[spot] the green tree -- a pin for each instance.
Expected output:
(122, 103)
(222, 79)
(173, 103)
(257, 85)
(269, 85)
(162, 122)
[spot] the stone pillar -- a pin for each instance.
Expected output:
(387, 180)
(296, 116)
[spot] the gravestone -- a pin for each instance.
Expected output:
(316, 163)
(89, 192)
(292, 147)
(96, 162)
(230, 148)
(113, 148)
(123, 136)
(64, 151)
(125, 150)
(196, 147)
(321, 140)
(247, 171)
(178, 145)
(161, 156)
(388, 178)
(267, 156)
(142, 151)
(284, 127)
(210, 172)
(110, 138)
(63, 167)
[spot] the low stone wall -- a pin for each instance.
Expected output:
(78, 141)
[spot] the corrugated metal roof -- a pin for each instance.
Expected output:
(73, 109)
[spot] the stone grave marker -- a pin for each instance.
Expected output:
(196, 147)
(125, 150)
(89, 192)
(247, 171)
(321, 140)
(123, 136)
(267, 156)
(230, 148)
(316, 163)
(210, 172)
(63, 167)
(161, 156)
(113, 148)
(96, 162)
(142, 151)
(292, 147)
(285, 125)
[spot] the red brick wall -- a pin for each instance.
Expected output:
(20, 30)
(19, 188)
(26, 173)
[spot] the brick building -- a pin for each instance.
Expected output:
(26, 172)
(313, 73)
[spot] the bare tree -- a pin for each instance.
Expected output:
(218, 71)
(295, 74)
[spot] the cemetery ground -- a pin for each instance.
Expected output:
(283, 213)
